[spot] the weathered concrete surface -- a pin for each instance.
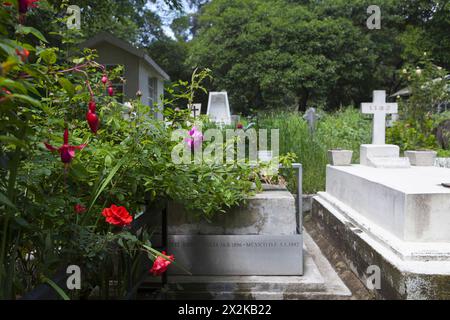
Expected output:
(319, 281)
(334, 256)
(237, 255)
(421, 158)
(409, 203)
(400, 279)
(266, 213)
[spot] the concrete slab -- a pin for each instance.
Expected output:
(411, 204)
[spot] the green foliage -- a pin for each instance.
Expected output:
(346, 129)
(127, 163)
(409, 137)
(267, 52)
(419, 111)
(303, 53)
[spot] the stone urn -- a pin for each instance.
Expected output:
(339, 157)
(422, 158)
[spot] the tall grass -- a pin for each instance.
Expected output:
(346, 129)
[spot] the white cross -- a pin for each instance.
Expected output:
(196, 109)
(379, 108)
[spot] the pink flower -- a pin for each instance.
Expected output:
(92, 117)
(110, 91)
(195, 139)
(66, 151)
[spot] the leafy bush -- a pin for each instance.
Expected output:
(68, 150)
(347, 128)
(419, 112)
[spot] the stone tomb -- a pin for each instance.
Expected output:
(251, 252)
(219, 108)
(394, 217)
(249, 240)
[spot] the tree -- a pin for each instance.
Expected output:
(267, 53)
(303, 52)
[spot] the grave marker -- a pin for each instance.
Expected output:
(311, 117)
(219, 108)
(196, 109)
(379, 108)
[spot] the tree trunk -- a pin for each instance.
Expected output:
(303, 100)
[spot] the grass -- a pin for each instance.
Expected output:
(346, 129)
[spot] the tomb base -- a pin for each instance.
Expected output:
(398, 278)
(319, 281)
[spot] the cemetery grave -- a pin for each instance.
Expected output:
(219, 108)
(126, 174)
(387, 213)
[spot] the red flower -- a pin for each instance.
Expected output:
(104, 79)
(110, 91)
(160, 264)
(92, 117)
(239, 126)
(79, 208)
(66, 151)
(23, 54)
(24, 5)
(117, 216)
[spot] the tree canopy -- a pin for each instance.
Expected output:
(282, 53)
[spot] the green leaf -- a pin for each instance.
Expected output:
(106, 182)
(78, 60)
(49, 56)
(13, 140)
(57, 288)
(21, 29)
(67, 86)
(27, 99)
(21, 222)
(108, 161)
(4, 199)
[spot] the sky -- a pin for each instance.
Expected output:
(168, 15)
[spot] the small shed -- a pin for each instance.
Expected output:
(140, 71)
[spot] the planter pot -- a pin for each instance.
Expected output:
(421, 158)
(340, 157)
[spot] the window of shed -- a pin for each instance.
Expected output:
(152, 91)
